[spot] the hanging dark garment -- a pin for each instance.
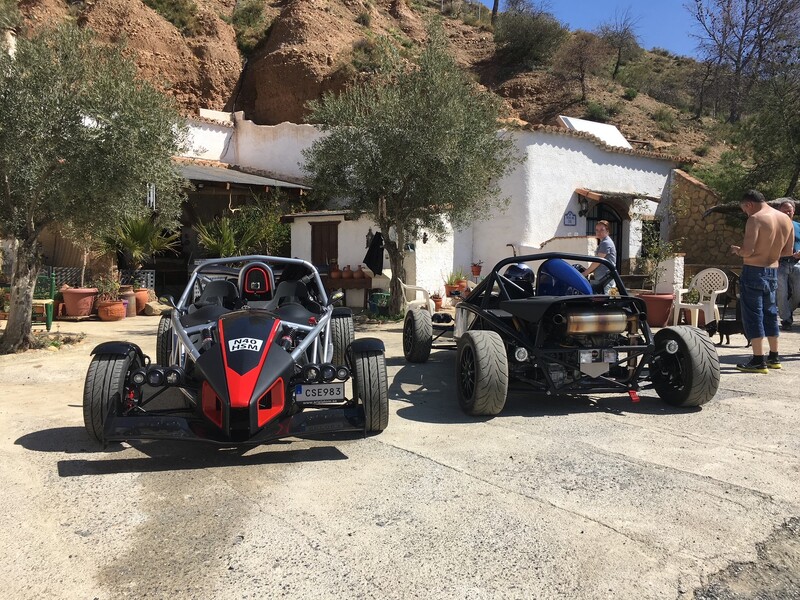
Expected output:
(374, 256)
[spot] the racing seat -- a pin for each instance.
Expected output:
(217, 298)
(257, 282)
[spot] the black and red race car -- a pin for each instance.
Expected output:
(254, 360)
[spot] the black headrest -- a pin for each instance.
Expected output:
(220, 292)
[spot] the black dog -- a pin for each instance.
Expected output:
(727, 327)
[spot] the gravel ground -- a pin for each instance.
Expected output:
(555, 498)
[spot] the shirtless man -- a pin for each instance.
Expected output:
(768, 235)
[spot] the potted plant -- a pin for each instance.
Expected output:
(109, 305)
(476, 268)
(437, 300)
(451, 282)
(655, 252)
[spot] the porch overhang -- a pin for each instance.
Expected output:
(621, 202)
(200, 173)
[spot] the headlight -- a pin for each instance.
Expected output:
(342, 373)
(173, 376)
(671, 347)
(155, 376)
(328, 372)
(311, 373)
(521, 354)
(139, 377)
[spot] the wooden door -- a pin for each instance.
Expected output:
(324, 243)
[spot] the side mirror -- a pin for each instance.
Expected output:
(335, 297)
(167, 300)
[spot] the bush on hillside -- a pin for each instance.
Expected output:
(181, 13)
(526, 35)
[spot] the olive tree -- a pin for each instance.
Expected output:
(80, 140)
(417, 148)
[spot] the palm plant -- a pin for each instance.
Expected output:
(225, 236)
(139, 239)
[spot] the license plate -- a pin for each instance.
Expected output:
(320, 392)
(598, 356)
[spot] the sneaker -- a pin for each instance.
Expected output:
(773, 361)
(755, 365)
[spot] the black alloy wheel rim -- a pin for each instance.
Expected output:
(671, 368)
(408, 334)
(467, 379)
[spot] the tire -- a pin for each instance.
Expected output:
(481, 373)
(417, 335)
(371, 388)
(690, 377)
(164, 340)
(104, 389)
(342, 335)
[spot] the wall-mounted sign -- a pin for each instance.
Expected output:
(570, 219)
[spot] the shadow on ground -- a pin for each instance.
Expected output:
(429, 391)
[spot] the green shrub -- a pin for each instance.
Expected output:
(250, 24)
(181, 13)
(597, 112)
(364, 18)
(666, 120)
(630, 93)
(366, 57)
(527, 36)
(701, 150)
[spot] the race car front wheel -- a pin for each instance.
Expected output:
(417, 335)
(371, 387)
(481, 373)
(690, 375)
(104, 390)
(342, 335)
(164, 340)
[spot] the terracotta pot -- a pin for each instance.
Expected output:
(347, 273)
(659, 308)
(449, 289)
(462, 285)
(437, 304)
(359, 273)
(142, 295)
(79, 301)
(124, 289)
(335, 273)
(111, 310)
(476, 270)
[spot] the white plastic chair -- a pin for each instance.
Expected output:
(425, 303)
(709, 283)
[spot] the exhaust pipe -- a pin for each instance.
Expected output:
(590, 322)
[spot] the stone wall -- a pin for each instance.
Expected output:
(704, 241)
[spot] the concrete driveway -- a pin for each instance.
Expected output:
(555, 498)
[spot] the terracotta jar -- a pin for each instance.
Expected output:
(359, 273)
(142, 295)
(334, 273)
(437, 304)
(347, 273)
(130, 296)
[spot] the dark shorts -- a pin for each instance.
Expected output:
(758, 287)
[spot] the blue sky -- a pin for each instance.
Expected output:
(662, 23)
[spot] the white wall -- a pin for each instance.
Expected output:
(276, 149)
(210, 141)
(542, 190)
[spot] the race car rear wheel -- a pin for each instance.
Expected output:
(690, 376)
(104, 389)
(371, 387)
(342, 335)
(417, 335)
(164, 340)
(481, 373)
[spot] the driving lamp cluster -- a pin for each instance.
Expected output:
(157, 376)
(324, 373)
